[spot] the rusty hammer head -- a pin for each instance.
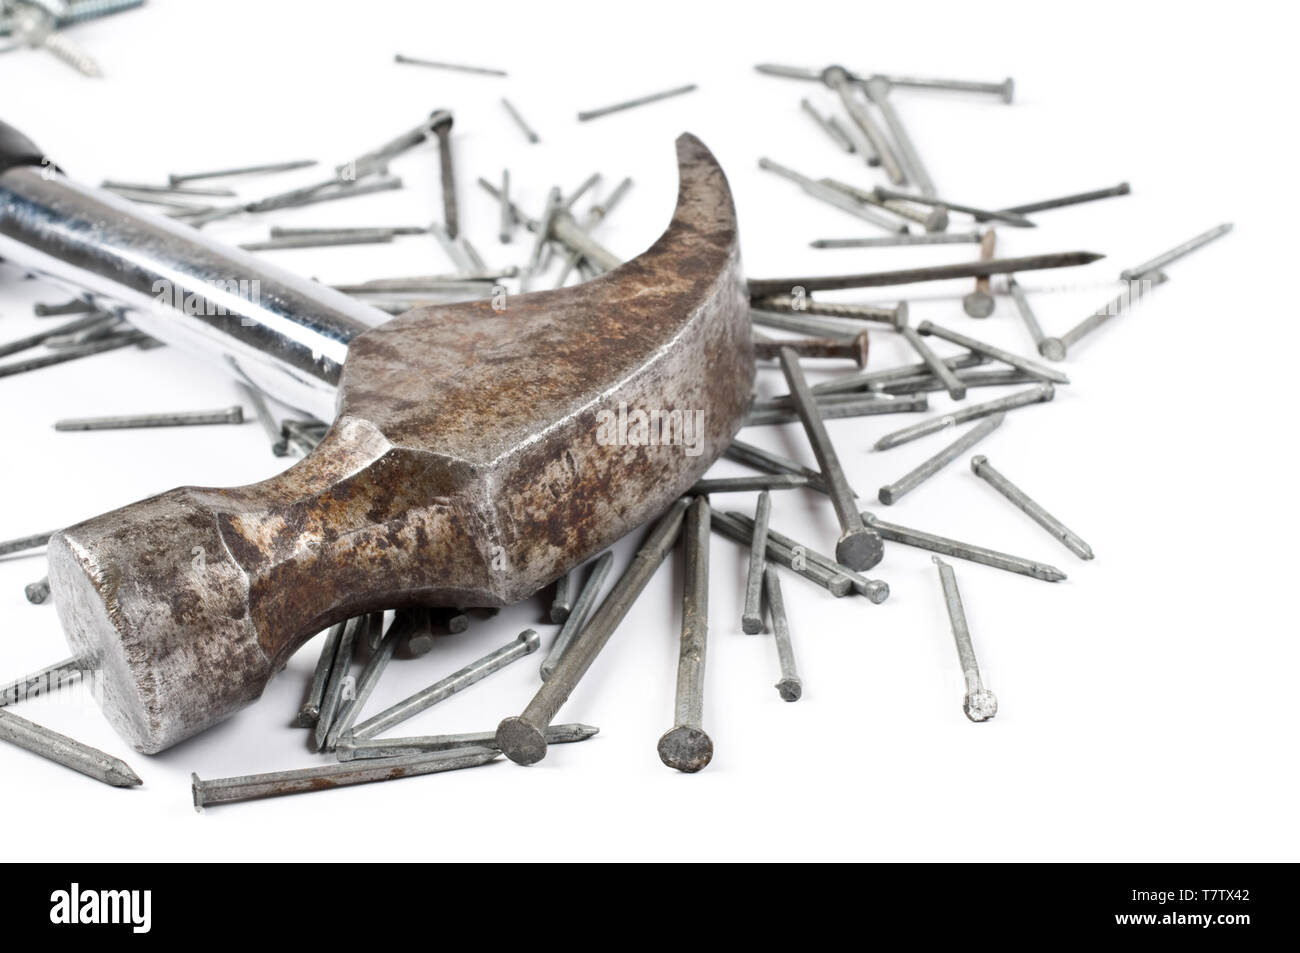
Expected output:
(477, 455)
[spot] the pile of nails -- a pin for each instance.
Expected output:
(336, 700)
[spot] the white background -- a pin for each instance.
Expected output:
(1147, 703)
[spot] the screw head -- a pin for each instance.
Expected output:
(981, 705)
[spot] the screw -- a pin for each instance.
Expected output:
(761, 288)
(378, 661)
(1010, 218)
(951, 382)
(790, 686)
(858, 547)
(836, 133)
(10, 546)
(521, 737)
(979, 303)
(1030, 507)
(578, 616)
(49, 679)
(35, 26)
(631, 103)
(231, 415)
(1136, 289)
(524, 644)
(65, 751)
(38, 591)
(839, 79)
(1006, 89)
(874, 589)
(747, 483)
(414, 61)
(339, 671)
(895, 491)
(309, 713)
(836, 582)
(875, 380)
(998, 354)
(751, 618)
(951, 547)
(687, 746)
(1155, 264)
(878, 92)
(980, 704)
(427, 744)
(277, 783)
(886, 241)
(1034, 395)
(1050, 348)
(1121, 189)
(833, 196)
(263, 169)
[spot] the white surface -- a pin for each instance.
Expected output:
(1146, 704)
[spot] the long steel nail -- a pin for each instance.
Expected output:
(38, 591)
(47, 680)
(888, 241)
(1049, 347)
(1155, 264)
(522, 736)
(349, 750)
(875, 590)
(839, 406)
(274, 784)
(321, 240)
(23, 543)
(543, 235)
(242, 170)
(631, 103)
(769, 287)
(1010, 218)
(451, 217)
(748, 483)
(802, 324)
(858, 547)
(562, 602)
(877, 380)
(595, 215)
(1006, 89)
(75, 306)
(835, 197)
(977, 377)
(1030, 507)
(1136, 290)
(309, 713)
(840, 80)
(342, 726)
(455, 67)
(66, 751)
(979, 303)
(230, 415)
(837, 582)
(1032, 368)
(89, 349)
(857, 350)
(506, 230)
(790, 686)
(340, 672)
(583, 188)
(113, 186)
(980, 704)
(877, 90)
(895, 491)
(416, 625)
(1033, 395)
(766, 460)
(836, 134)
(933, 219)
(1121, 189)
(751, 617)
(951, 382)
(578, 616)
(286, 231)
(976, 554)
(896, 316)
(524, 644)
(687, 746)
(40, 337)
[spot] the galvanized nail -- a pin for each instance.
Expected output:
(455, 67)
(581, 611)
(1030, 507)
(979, 704)
(951, 382)
(835, 132)
(349, 750)
(840, 80)
(43, 682)
(194, 418)
(735, 526)
(747, 483)
(751, 618)
(1033, 395)
(340, 671)
(951, 547)
(1048, 347)
(895, 491)
(687, 746)
(632, 103)
(889, 241)
(875, 590)
(242, 170)
(1136, 290)
(379, 659)
(1155, 264)
(1078, 197)
(877, 90)
(1032, 368)
(66, 751)
(790, 686)
(309, 713)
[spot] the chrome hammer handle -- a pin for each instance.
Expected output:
(284, 334)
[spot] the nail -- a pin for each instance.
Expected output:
(1010, 218)
(840, 80)
(40, 337)
(768, 287)
(858, 547)
(977, 377)
(47, 680)
(164, 189)
(579, 615)
(895, 491)
(1006, 89)
(457, 621)
(107, 326)
(507, 227)
(230, 415)
(457, 67)
(874, 589)
(838, 406)
(687, 746)
(1050, 348)
(766, 460)
(1136, 290)
(37, 592)
(631, 103)
(1034, 395)
(75, 306)
(751, 618)
(282, 231)
(790, 686)
(524, 644)
(801, 324)
(877, 91)
(834, 197)
(979, 303)
(951, 382)
(840, 133)
(66, 751)
(1030, 507)
(1155, 264)
(419, 284)
(117, 342)
(252, 786)
(427, 744)
(748, 483)
(542, 236)
(875, 380)
(322, 240)
(595, 215)
(451, 217)
(263, 414)
(1032, 368)
(342, 726)
(24, 543)
(586, 185)
(164, 201)
(933, 219)
(836, 134)
(242, 170)
(980, 704)
(1121, 189)
(951, 547)
(340, 671)
(896, 316)
(309, 713)
(417, 625)
(735, 527)
(526, 129)
(888, 241)
(856, 349)
(562, 603)
(521, 737)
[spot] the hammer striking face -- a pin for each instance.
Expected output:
(477, 455)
